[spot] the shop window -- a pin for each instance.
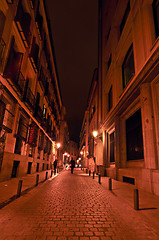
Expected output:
(112, 158)
(155, 6)
(126, 14)
(134, 139)
(128, 69)
(110, 99)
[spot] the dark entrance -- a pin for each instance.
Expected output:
(29, 167)
(37, 167)
(15, 169)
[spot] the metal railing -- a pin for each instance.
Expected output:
(7, 121)
(30, 98)
(2, 50)
(20, 81)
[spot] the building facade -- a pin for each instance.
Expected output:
(129, 76)
(88, 144)
(30, 100)
(128, 92)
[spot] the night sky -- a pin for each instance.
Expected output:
(74, 27)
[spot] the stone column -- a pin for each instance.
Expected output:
(149, 139)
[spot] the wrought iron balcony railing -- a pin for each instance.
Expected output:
(23, 21)
(29, 98)
(7, 123)
(2, 50)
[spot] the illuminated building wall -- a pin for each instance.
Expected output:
(30, 101)
(129, 91)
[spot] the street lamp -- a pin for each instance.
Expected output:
(95, 133)
(81, 152)
(58, 145)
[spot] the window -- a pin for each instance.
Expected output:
(126, 14)
(2, 110)
(128, 69)
(112, 159)
(134, 140)
(110, 99)
(21, 135)
(155, 6)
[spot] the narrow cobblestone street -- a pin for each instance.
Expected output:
(72, 207)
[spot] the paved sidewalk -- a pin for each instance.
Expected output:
(8, 189)
(124, 192)
(76, 207)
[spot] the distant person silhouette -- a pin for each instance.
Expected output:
(72, 165)
(55, 165)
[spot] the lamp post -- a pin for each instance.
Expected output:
(58, 145)
(95, 134)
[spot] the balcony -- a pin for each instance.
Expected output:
(34, 56)
(7, 121)
(20, 82)
(39, 114)
(29, 98)
(2, 50)
(39, 24)
(42, 79)
(23, 21)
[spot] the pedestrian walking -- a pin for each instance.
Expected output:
(72, 165)
(55, 165)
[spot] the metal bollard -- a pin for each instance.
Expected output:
(136, 199)
(110, 184)
(93, 175)
(37, 179)
(46, 175)
(89, 172)
(19, 188)
(99, 178)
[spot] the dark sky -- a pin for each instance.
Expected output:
(74, 25)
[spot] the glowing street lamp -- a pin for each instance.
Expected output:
(95, 133)
(81, 152)
(58, 145)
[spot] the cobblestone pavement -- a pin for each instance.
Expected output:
(72, 207)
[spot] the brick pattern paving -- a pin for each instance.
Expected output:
(71, 207)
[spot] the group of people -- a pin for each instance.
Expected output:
(72, 165)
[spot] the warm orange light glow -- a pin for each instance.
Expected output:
(58, 145)
(95, 133)
(81, 152)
